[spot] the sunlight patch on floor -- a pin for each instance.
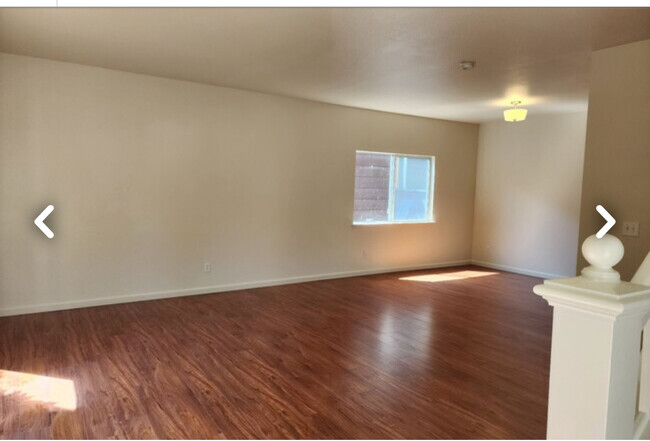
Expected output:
(446, 277)
(56, 392)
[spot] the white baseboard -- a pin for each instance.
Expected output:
(73, 304)
(516, 270)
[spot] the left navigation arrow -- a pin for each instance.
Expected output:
(41, 217)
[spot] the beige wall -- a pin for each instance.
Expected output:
(528, 194)
(617, 152)
(151, 177)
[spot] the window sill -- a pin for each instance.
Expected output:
(372, 224)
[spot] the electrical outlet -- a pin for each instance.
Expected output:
(207, 267)
(630, 228)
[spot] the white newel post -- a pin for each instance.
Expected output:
(595, 354)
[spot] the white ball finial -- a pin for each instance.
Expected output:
(602, 254)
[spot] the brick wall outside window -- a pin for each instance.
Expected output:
(371, 187)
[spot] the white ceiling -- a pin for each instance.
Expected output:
(395, 60)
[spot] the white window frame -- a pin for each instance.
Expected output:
(391, 191)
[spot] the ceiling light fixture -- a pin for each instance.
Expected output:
(467, 65)
(515, 114)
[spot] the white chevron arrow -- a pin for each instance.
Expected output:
(41, 217)
(610, 221)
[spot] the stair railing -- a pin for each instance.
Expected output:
(598, 321)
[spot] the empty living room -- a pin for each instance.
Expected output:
(283, 220)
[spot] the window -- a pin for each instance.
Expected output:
(392, 188)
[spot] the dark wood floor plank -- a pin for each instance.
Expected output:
(379, 356)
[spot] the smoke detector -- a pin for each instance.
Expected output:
(467, 65)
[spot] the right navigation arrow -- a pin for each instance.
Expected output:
(608, 217)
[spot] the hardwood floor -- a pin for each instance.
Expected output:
(365, 357)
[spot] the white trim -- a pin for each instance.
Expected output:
(313, 3)
(73, 304)
(641, 425)
(372, 223)
(408, 155)
(523, 271)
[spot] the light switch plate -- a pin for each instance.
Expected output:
(630, 228)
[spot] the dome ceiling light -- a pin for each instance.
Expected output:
(515, 114)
